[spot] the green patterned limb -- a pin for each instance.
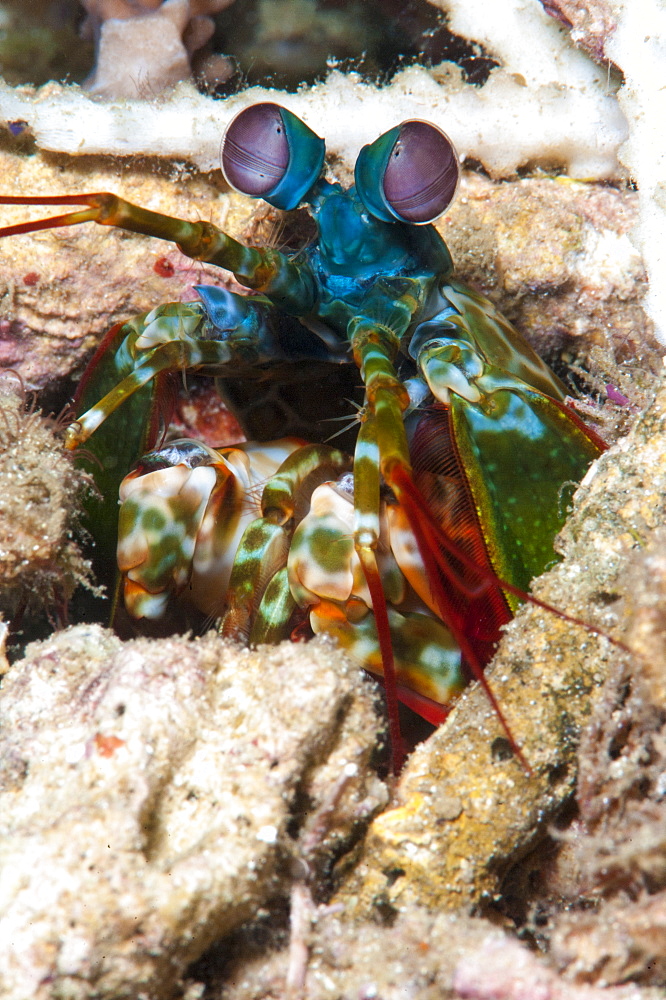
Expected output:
(468, 348)
(183, 514)
(323, 559)
(275, 611)
(169, 357)
(427, 659)
(374, 347)
(263, 550)
(382, 440)
(160, 517)
(289, 285)
(296, 479)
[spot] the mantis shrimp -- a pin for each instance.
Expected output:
(413, 551)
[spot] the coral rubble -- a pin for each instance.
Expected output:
(156, 794)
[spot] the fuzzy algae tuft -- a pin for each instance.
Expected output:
(40, 562)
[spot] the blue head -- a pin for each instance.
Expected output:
(408, 175)
(353, 243)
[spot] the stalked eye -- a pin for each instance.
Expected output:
(267, 152)
(255, 151)
(409, 173)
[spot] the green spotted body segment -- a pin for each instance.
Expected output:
(323, 563)
(180, 527)
(326, 576)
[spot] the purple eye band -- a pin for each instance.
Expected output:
(421, 206)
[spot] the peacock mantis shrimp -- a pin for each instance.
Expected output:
(413, 551)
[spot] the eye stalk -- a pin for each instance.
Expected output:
(268, 152)
(408, 174)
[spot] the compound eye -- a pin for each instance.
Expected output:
(255, 151)
(267, 152)
(409, 173)
(422, 172)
